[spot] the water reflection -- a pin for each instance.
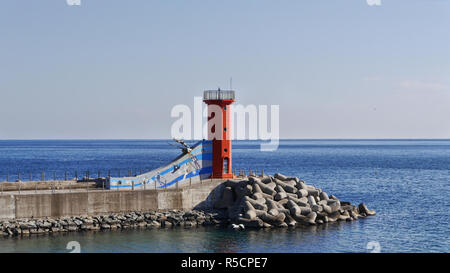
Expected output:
(202, 239)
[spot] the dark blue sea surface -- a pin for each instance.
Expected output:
(405, 181)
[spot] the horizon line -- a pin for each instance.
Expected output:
(62, 139)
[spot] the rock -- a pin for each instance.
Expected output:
(250, 214)
(313, 192)
(86, 226)
(311, 217)
(272, 207)
(280, 196)
(266, 179)
(242, 190)
(266, 189)
(271, 185)
(293, 195)
(302, 193)
(273, 220)
(88, 221)
(362, 208)
(322, 216)
(317, 199)
(153, 224)
(248, 206)
(335, 205)
(316, 208)
(289, 220)
(327, 209)
(311, 201)
(302, 186)
(72, 228)
(279, 189)
(284, 210)
(354, 214)
(282, 202)
(231, 183)
(297, 201)
(256, 189)
(227, 199)
(257, 223)
(266, 196)
(347, 207)
(295, 179)
(334, 197)
(117, 226)
(77, 222)
(334, 216)
(256, 203)
(259, 212)
(305, 210)
(280, 176)
(167, 224)
(291, 183)
(253, 180)
(286, 187)
(258, 195)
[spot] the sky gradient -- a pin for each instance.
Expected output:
(114, 69)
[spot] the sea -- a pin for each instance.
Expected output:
(405, 181)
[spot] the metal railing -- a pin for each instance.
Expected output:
(61, 186)
(64, 175)
(218, 95)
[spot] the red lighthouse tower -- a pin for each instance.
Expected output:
(219, 119)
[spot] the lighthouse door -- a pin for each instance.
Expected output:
(225, 165)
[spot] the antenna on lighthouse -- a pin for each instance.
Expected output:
(231, 83)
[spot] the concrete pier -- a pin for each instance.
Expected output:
(80, 202)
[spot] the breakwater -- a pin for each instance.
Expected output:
(250, 202)
(65, 203)
(280, 201)
(112, 221)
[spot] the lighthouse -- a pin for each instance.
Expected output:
(219, 127)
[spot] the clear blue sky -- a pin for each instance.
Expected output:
(114, 69)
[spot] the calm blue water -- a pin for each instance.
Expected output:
(405, 181)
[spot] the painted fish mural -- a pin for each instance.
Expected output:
(194, 164)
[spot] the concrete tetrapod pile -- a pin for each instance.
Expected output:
(281, 201)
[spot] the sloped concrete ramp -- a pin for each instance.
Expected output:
(187, 168)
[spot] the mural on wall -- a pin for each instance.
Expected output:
(193, 164)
